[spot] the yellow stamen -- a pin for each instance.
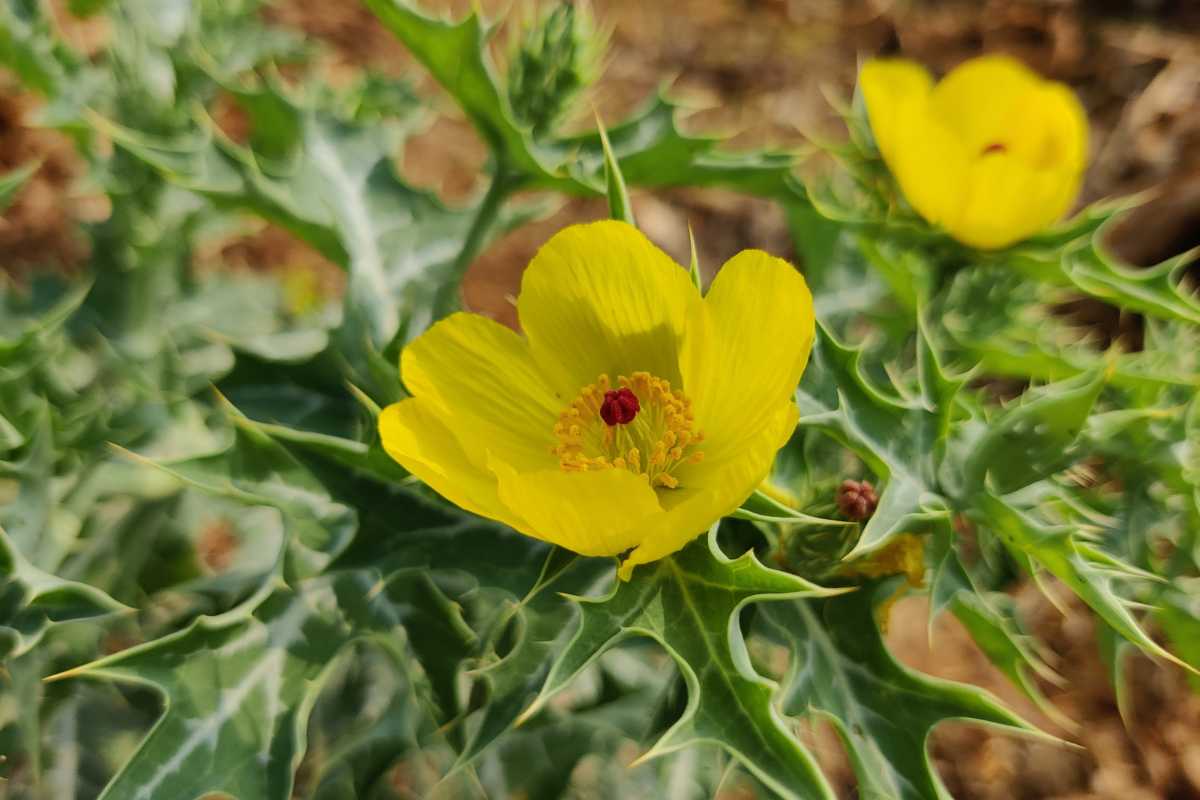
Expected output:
(661, 425)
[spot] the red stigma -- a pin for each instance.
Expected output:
(994, 147)
(619, 407)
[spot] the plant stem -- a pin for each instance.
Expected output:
(503, 183)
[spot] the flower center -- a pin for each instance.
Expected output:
(642, 425)
(619, 407)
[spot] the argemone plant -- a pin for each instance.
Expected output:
(633, 414)
(262, 541)
(992, 153)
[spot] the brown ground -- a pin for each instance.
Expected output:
(762, 69)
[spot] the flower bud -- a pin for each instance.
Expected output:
(556, 58)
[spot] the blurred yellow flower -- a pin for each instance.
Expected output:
(993, 153)
(633, 413)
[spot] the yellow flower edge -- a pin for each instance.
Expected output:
(539, 432)
(992, 153)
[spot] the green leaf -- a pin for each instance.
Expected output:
(251, 314)
(28, 47)
(842, 283)
(884, 712)
(369, 460)
(339, 191)
(1087, 265)
(455, 53)
(541, 621)
(906, 270)
(501, 580)
(898, 438)
(12, 181)
(1002, 323)
(619, 206)
(256, 470)
(690, 603)
(238, 689)
(1179, 615)
(992, 622)
(32, 600)
(654, 153)
(409, 600)
(1031, 439)
(650, 148)
(1090, 573)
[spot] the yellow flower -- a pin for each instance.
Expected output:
(633, 413)
(993, 153)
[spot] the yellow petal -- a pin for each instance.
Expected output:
(891, 87)
(1050, 129)
(979, 99)
(480, 376)
(993, 153)
(746, 353)
(599, 513)
(727, 484)
(422, 443)
(1009, 201)
(601, 298)
(926, 157)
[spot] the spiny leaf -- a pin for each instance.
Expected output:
(410, 600)
(502, 581)
(884, 712)
(538, 759)
(991, 621)
(650, 148)
(842, 283)
(1031, 439)
(238, 689)
(33, 600)
(1179, 615)
(541, 620)
(1019, 336)
(258, 471)
(654, 153)
(455, 53)
(906, 271)
(361, 738)
(337, 190)
(689, 603)
(1089, 573)
(898, 438)
(368, 460)
(1088, 265)
(619, 206)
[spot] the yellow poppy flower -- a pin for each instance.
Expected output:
(993, 153)
(632, 414)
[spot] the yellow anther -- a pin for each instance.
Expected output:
(662, 427)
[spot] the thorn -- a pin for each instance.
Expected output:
(694, 266)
